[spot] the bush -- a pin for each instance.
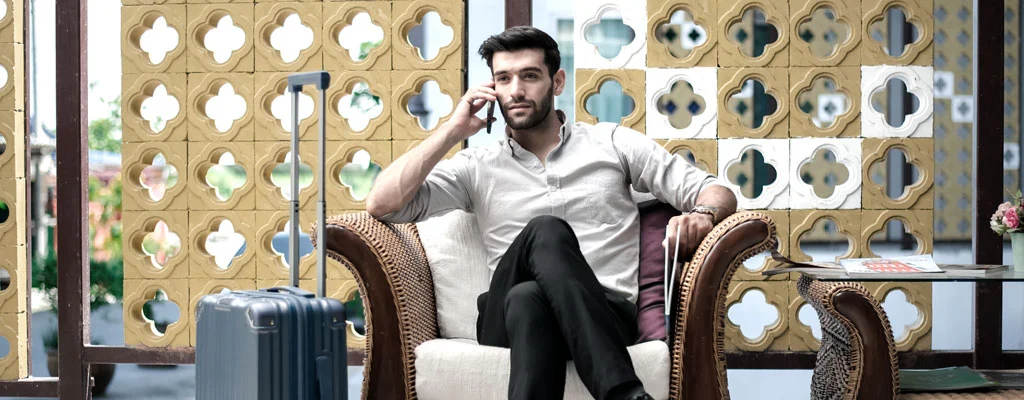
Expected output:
(105, 279)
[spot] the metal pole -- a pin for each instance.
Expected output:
(321, 211)
(293, 234)
(988, 178)
(72, 181)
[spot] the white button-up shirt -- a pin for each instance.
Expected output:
(585, 181)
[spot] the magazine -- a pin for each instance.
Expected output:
(891, 265)
(973, 269)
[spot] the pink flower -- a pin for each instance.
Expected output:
(1011, 218)
(997, 217)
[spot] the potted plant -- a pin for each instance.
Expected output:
(1007, 220)
(101, 373)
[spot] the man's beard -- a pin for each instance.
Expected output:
(536, 115)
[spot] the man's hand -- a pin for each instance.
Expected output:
(464, 122)
(692, 230)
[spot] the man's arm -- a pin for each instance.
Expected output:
(693, 227)
(673, 180)
(398, 184)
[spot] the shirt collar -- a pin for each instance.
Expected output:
(564, 132)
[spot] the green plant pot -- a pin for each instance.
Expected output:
(1017, 243)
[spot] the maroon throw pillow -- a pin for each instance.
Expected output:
(654, 216)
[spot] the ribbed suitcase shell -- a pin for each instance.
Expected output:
(259, 345)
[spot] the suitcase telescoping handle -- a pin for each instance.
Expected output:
(295, 83)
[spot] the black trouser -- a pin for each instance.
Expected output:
(546, 305)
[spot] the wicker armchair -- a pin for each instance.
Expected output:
(858, 359)
(391, 269)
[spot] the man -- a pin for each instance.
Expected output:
(552, 201)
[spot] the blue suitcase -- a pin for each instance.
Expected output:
(279, 343)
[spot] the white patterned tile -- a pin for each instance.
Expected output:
(919, 81)
(845, 194)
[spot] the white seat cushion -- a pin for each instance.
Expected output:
(454, 369)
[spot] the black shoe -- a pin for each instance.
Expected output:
(640, 396)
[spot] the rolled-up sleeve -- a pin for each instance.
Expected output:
(446, 188)
(652, 169)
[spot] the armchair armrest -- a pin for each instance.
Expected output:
(397, 290)
(697, 337)
(857, 359)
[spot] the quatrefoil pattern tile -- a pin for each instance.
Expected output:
(682, 103)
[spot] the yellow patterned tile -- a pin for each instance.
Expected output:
(408, 14)
(14, 329)
(135, 22)
(918, 12)
(733, 53)
(11, 30)
(13, 226)
(731, 82)
(918, 151)
(137, 165)
(211, 159)
(808, 86)
(918, 334)
(665, 53)
(338, 16)
(917, 222)
(12, 158)
(13, 298)
(588, 83)
(141, 332)
(156, 245)
(203, 18)
(136, 89)
(271, 86)
(270, 17)
(219, 265)
(776, 294)
(351, 126)
(406, 85)
(848, 223)
(209, 98)
(12, 93)
(273, 156)
(819, 17)
(271, 265)
(340, 155)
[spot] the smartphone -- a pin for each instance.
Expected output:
(490, 115)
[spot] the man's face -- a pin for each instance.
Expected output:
(525, 89)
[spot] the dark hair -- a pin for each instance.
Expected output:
(521, 38)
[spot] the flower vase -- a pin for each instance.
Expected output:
(1017, 245)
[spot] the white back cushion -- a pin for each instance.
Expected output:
(458, 264)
